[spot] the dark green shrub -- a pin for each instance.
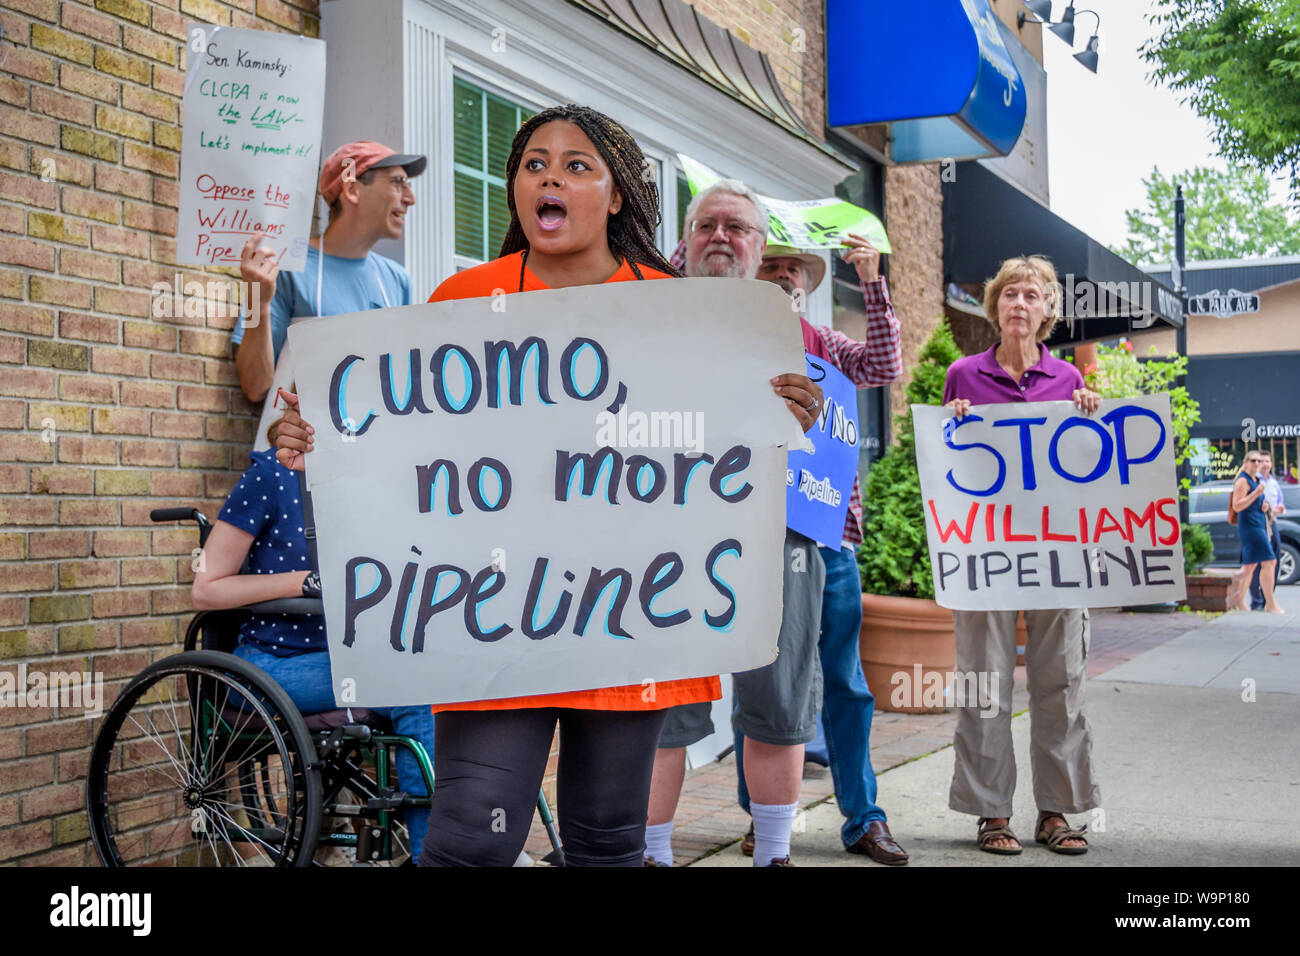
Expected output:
(1198, 548)
(894, 557)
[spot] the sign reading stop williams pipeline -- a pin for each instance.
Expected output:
(482, 535)
(250, 148)
(1037, 506)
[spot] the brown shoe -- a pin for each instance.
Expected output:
(747, 844)
(784, 861)
(879, 844)
(651, 861)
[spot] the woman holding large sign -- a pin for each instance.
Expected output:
(1023, 303)
(582, 213)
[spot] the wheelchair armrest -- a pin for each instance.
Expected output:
(300, 605)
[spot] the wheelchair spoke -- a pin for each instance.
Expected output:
(159, 792)
(252, 838)
(176, 765)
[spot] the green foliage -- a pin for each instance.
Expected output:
(1237, 62)
(1198, 548)
(894, 557)
(1229, 216)
(1119, 374)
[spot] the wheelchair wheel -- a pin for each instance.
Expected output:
(203, 760)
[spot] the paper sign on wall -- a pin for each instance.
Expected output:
(805, 224)
(570, 492)
(1038, 506)
(819, 484)
(250, 151)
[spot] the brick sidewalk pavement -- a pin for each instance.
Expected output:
(708, 816)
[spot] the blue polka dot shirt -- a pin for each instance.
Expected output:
(265, 503)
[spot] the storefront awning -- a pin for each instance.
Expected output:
(986, 220)
(680, 33)
(1228, 388)
(938, 71)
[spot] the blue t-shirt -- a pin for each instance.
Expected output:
(265, 503)
(348, 285)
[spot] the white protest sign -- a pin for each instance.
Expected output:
(1037, 506)
(470, 549)
(803, 224)
(250, 149)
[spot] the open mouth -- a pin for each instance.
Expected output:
(551, 213)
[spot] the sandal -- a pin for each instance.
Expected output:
(986, 834)
(1060, 833)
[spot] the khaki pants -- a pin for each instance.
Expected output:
(1060, 740)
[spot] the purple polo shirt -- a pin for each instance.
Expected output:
(982, 381)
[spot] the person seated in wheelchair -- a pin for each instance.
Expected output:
(261, 524)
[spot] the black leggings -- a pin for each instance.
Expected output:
(488, 768)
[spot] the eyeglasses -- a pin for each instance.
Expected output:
(400, 184)
(1253, 461)
(734, 228)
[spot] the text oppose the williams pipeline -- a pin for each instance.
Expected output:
(476, 542)
(1039, 506)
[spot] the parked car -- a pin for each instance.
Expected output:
(1209, 506)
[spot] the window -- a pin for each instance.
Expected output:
(485, 125)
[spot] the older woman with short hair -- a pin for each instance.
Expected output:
(1023, 303)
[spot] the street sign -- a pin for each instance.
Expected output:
(1222, 305)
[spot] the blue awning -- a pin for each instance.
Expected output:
(938, 71)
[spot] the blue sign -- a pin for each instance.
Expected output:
(819, 483)
(939, 71)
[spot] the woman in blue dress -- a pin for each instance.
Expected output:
(1253, 515)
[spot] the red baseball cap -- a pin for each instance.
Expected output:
(363, 155)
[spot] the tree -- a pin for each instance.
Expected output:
(1238, 62)
(1229, 216)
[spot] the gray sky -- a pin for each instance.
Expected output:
(1106, 130)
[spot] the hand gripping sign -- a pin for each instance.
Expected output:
(1035, 505)
(479, 534)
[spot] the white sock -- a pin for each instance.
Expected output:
(772, 826)
(659, 843)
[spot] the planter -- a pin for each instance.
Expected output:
(900, 635)
(1217, 589)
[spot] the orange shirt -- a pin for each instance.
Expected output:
(492, 278)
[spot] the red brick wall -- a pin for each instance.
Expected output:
(793, 35)
(105, 411)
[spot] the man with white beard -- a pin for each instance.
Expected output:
(776, 705)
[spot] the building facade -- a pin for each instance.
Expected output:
(109, 409)
(1242, 365)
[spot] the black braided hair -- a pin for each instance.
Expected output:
(630, 231)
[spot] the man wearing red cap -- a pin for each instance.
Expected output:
(367, 186)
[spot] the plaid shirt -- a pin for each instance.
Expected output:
(876, 361)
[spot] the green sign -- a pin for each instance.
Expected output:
(806, 224)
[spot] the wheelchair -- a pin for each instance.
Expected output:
(203, 760)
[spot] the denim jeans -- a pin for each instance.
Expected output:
(306, 679)
(847, 702)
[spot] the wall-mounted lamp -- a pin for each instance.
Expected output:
(1042, 10)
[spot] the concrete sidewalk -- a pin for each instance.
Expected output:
(1193, 771)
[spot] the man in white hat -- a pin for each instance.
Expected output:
(776, 706)
(847, 703)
